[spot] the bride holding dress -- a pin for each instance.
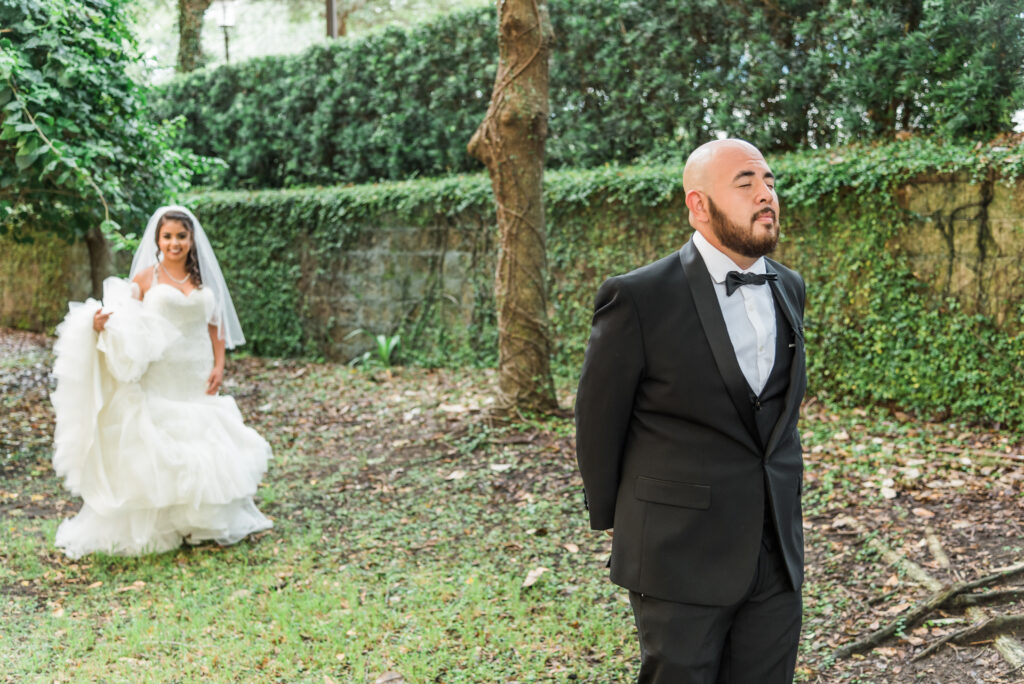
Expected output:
(142, 436)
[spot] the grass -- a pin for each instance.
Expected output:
(405, 526)
(377, 563)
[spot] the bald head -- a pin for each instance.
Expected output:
(697, 174)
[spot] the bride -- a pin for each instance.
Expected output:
(142, 436)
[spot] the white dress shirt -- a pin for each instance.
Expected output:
(749, 314)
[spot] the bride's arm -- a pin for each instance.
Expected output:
(217, 374)
(140, 283)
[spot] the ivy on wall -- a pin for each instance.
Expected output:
(876, 334)
(36, 280)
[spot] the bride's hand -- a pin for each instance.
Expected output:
(99, 319)
(213, 382)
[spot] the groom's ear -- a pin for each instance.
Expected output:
(696, 204)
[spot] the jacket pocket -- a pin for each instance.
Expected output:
(685, 494)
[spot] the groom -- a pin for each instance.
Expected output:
(686, 435)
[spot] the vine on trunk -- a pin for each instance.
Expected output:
(510, 142)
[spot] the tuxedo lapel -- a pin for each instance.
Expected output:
(796, 377)
(710, 313)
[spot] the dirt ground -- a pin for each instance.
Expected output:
(948, 498)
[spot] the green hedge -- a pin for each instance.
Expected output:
(629, 80)
(876, 334)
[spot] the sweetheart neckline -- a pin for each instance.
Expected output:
(186, 296)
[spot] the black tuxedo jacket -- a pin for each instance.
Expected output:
(666, 442)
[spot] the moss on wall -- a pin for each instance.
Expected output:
(40, 274)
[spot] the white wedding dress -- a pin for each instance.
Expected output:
(155, 459)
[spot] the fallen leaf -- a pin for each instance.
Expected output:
(533, 576)
(389, 678)
(571, 548)
(456, 475)
(897, 609)
(922, 513)
(134, 586)
(844, 521)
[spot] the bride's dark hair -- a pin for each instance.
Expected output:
(192, 260)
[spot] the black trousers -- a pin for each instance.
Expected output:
(751, 642)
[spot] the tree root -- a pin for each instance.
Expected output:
(946, 596)
(986, 597)
(974, 633)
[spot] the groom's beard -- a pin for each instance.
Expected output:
(748, 241)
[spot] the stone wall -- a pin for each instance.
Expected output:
(385, 277)
(968, 244)
(39, 275)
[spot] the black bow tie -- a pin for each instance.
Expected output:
(734, 279)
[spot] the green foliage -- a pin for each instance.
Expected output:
(647, 79)
(945, 66)
(878, 336)
(335, 114)
(76, 144)
(876, 333)
(382, 354)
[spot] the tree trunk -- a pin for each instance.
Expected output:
(338, 15)
(101, 260)
(190, 30)
(510, 142)
(332, 18)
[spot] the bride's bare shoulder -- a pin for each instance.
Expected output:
(144, 280)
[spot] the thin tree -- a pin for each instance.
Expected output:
(338, 14)
(190, 33)
(510, 143)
